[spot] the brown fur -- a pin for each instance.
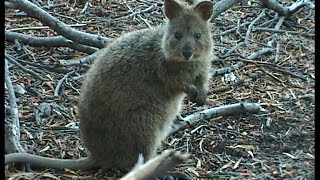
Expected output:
(133, 91)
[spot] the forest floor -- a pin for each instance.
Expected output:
(277, 144)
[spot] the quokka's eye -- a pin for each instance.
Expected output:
(197, 35)
(177, 35)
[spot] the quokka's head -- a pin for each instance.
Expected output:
(187, 36)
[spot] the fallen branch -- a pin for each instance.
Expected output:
(269, 48)
(227, 110)
(47, 67)
(70, 33)
(250, 27)
(12, 133)
(284, 31)
(155, 167)
(286, 11)
(225, 70)
(9, 5)
(57, 41)
(85, 60)
(231, 29)
(222, 6)
(259, 53)
(148, 9)
(13, 61)
(283, 71)
(43, 27)
(56, 91)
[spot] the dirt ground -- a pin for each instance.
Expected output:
(276, 144)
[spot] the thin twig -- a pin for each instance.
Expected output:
(148, 9)
(36, 75)
(250, 27)
(85, 60)
(284, 31)
(43, 27)
(283, 71)
(270, 66)
(47, 67)
(276, 59)
(56, 91)
(269, 48)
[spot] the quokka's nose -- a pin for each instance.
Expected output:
(187, 53)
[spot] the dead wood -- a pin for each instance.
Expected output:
(13, 61)
(287, 11)
(12, 134)
(85, 60)
(226, 110)
(269, 48)
(57, 41)
(225, 70)
(223, 5)
(77, 36)
(56, 91)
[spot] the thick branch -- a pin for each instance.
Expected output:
(77, 36)
(286, 11)
(57, 41)
(12, 137)
(223, 5)
(227, 110)
(9, 5)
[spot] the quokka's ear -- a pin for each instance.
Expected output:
(172, 8)
(204, 9)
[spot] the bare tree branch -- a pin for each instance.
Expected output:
(227, 110)
(284, 31)
(9, 5)
(224, 70)
(57, 41)
(13, 133)
(149, 9)
(36, 75)
(77, 36)
(56, 91)
(286, 11)
(250, 27)
(223, 5)
(85, 60)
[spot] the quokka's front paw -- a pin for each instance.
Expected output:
(192, 92)
(202, 97)
(200, 100)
